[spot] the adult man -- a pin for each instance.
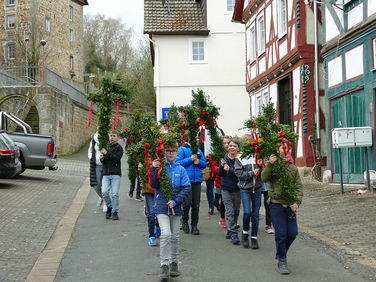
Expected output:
(111, 175)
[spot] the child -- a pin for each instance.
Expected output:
(230, 190)
(111, 175)
(169, 223)
(283, 214)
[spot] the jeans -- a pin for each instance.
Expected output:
(193, 201)
(251, 209)
(231, 200)
(285, 228)
(169, 240)
(111, 182)
(149, 200)
(99, 175)
(268, 219)
(209, 192)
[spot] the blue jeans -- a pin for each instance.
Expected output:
(111, 182)
(209, 192)
(149, 200)
(251, 209)
(285, 228)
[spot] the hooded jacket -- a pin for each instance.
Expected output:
(247, 179)
(180, 185)
(184, 159)
(229, 180)
(111, 160)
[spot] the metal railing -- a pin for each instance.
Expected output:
(20, 76)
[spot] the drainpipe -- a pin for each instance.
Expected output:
(156, 78)
(317, 91)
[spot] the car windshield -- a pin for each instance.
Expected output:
(6, 141)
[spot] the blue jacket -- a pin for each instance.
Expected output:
(184, 159)
(180, 184)
(229, 180)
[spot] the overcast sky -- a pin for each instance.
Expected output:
(131, 12)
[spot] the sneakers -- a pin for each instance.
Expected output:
(195, 230)
(211, 210)
(157, 231)
(104, 208)
(152, 242)
(185, 227)
(245, 241)
(282, 267)
(254, 244)
(139, 198)
(130, 194)
(235, 239)
(269, 229)
(108, 213)
(228, 234)
(115, 216)
(237, 226)
(222, 222)
(174, 271)
(100, 201)
(164, 272)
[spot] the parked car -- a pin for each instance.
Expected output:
(10, 165)
(36, 151)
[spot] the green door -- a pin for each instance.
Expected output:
(349, 111)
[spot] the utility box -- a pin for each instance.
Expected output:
(343, 137)
(363, 136)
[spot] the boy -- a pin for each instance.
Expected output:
(283, 215)
(169, 223)
(111, 175)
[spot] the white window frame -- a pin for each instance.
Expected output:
(227, 11)
(260, 33)
(48, 24)
(374, 53)
(8, 23)
(263, 97)
(9, 51)
(205, 60)
(282, 29)
(70, 13)
(9, 4)
(71, 63)
(252, 42)
(71, 35)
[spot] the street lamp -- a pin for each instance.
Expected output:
(42, 43)
(27, 63)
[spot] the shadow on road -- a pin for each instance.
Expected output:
(7, 185)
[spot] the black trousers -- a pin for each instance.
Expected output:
(192, 202)
(268, 219)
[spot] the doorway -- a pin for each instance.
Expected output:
(285, 101)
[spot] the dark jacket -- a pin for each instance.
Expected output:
(229, 180)
(180, 185)
(244, 170)
(111, 160)
(93, 165)
(184, 159)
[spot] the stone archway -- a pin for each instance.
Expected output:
(24, 108)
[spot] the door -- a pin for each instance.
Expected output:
(285, 101)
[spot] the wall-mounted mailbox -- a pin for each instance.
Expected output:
(343, 137)
(363, 136)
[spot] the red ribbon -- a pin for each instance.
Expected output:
(253, 132)
(182, 132)
(128, 135)
(158, 153)
(116, 117)
(168, 125)
(203, 124)
(90, 112)
(257, 149)
(284, 142)
(147, 146)
(211, 166)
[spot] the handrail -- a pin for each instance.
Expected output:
(18, 121)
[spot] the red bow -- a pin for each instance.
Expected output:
(147, 146)
(168, 125)
(158, 153)
(90, 112)
(128, 135)
(182, 132)
(210, 158)
(284, 142)
(116, 117)
(257, 149)
(253, 131)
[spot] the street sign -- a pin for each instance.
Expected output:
(165, 113)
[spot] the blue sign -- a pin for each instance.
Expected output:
(165, 113)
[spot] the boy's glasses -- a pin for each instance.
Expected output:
(170, 152)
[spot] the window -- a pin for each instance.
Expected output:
(260, 34)
(374, 52)
(262, 99)
(230, 4)
(252, 43)
(282, 18)
(48, 24)
(10, 2)
(71, 33)
(198, 52)
(11, 21)
(70, 13)
(71, 63)
(11, 51)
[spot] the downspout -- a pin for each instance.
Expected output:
(317, 92)
(156, 77)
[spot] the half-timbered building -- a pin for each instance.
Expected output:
(349, 54)
(280, 64)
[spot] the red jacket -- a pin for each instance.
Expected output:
(217, 178)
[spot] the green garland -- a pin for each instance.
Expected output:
(269, 142)
(191, 115)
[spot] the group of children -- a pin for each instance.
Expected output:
(237, 181)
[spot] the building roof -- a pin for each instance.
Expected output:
(175, 17)
(238, 11)
(81, 2)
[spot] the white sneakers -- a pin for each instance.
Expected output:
(100, 201)
(104, 208)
